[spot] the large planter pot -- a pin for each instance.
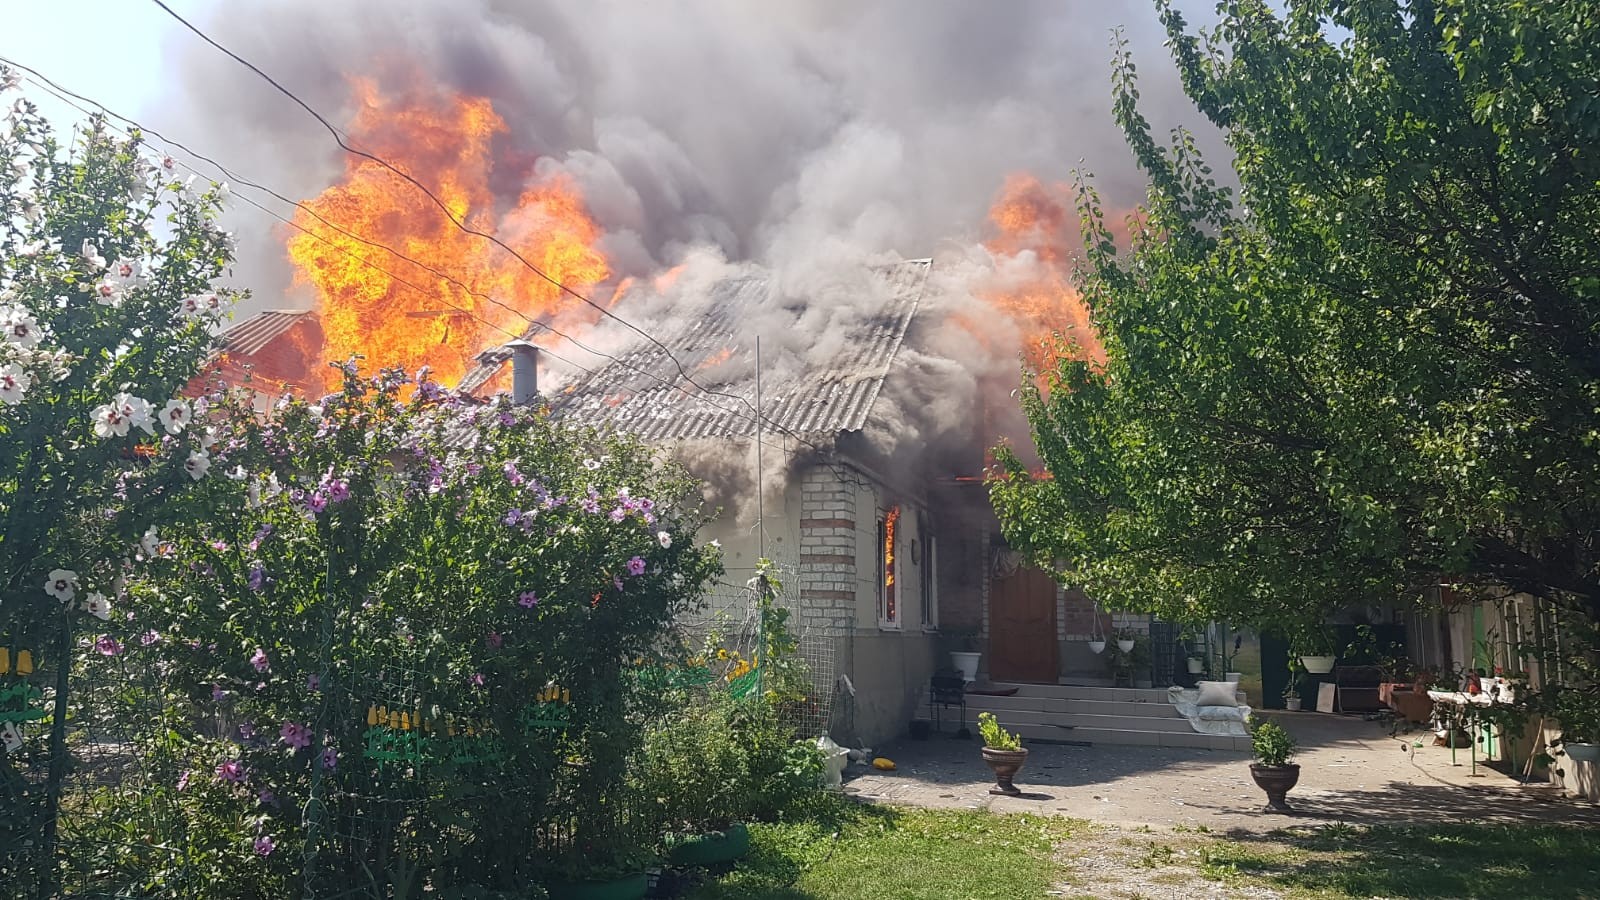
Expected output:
(633, 887)
(1196, 665)
(1006, 764)
(1582, 752)
(1318, 665)
(1234, 677)
(967, 662)
(1276, 781)
(1292, 704)
(1097, 647)
(1125, 646)
(711, 849)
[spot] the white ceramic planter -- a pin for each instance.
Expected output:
(967, 662)
(1318, 665)
(1125, 646)
(1582, 752)
(1292, 704)
(1097, 647)
(1234, 677)
(1196, 666)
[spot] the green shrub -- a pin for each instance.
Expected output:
(1273, 746)
(995, 737)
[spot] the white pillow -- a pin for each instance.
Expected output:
(1218, 693)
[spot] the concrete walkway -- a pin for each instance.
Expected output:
(1351, 771)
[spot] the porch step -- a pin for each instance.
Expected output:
(1093, 714)
(1178, 740)
(1084, 692)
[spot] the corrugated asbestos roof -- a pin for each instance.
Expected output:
(254, 334)
(827, 398)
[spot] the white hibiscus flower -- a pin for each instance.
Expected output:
(14, 383)
(98, 606)
(109, 421)
(176, 416)
(150, 543)
(198, 464)
(108, 292)
(92, 256)
(664, 538)
(21, 328)
(137, 411)
(62, 585)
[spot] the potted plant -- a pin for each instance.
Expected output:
(1291, 698)
(1197, 665)
(1004, 753)
(1272, 770)
(1314, 645)
(1125, 639)
(966, 655)
(1129, 659)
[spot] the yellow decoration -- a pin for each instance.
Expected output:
(372, 715)
(405, 721)
(394, 719)
(5, 660)
(566, 696)
(883, 765)
(24, 662)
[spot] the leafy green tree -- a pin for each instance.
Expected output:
(1374, 363)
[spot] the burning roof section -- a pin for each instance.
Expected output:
(274, 351)
(822, 398)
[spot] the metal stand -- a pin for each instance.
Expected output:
(945, 691)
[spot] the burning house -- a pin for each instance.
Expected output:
(663, 188)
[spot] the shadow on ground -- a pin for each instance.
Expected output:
(1458, 860)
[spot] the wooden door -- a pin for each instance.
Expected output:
(1022, 627)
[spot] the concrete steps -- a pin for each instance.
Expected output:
(1093, 714)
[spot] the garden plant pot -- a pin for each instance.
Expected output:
(631, 887)
(1318, 665)
(1125, 646)
(1276, 781)
(1582, 752)
(711, 849)
(1292, 704)
(1234, 677)
(967, 662)
(1196, 666)
(1006, 764)
(1097, 647)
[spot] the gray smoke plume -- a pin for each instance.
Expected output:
(810, 138)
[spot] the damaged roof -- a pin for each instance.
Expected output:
(825, 398)
(257, 332)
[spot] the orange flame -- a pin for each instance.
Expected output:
(1030, 217)
(445, 142)
(890, 600)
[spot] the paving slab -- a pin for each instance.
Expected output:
(1352, 770)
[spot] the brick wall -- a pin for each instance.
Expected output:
(827, 552)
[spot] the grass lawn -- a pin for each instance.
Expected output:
(861, 852)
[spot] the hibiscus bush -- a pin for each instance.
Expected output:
(398, 631)
(106, 309)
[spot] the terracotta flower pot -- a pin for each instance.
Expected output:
(1006, 764)
(1276, 781)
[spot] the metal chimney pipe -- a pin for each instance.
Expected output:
(524, 373)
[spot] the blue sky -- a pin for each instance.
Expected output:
(110, 50)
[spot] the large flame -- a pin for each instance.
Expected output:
(445, 142)
(1032, 231)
